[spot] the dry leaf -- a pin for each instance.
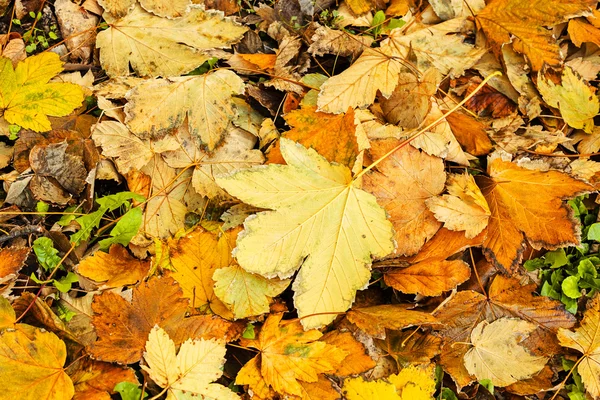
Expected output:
(375, 320)
(114, 269)
(431, 277)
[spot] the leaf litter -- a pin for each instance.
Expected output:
(275, 200)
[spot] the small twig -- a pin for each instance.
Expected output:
(22, 232)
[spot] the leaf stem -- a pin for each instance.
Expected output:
(428, 127)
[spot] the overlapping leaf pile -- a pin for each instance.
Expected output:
(302, 200)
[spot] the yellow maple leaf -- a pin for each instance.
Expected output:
(27, 98)
(577, 103)
(464, 208)
(527, 204)
(524, 23)
(497, 354)
(288, 355)
(321, 220)
(586, 339)
(32, 365)
(190, 372)
(157, 46)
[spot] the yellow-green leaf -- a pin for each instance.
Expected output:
(321, 219)
(27, 98)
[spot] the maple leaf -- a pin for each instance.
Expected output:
(586, 339)
(205, 100)
(505, 298)
(27, 98)
(32, 365)
(288, 355)
(524, 24)
(577, 102)
(497, 354)
(464, 208)
(123, 326)
(321, 220)
(544, 219)
(157, 46)
(190, 371)
(403, 189)
(115, 268)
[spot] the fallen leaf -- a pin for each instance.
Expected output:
(288, 355)
(118, 8)
(544, 220)
(330, 41)
(470, 133)
(167, 8)
(497, 354)
(96, 380)
(577, 102)
(32, 365)
(315, 205)
(464, 208)
(190, 372)
(410, 346)
(123, 326)
(581, 31)
(528, 32)
(505, 298)
(155, 46)
(114, 269)
(376, 319)
(586, 340)
(27, 98)
(415, 382)
(431, 277)
(402, 189)
(357, 361)
(205, 100)
(12, 260)
(359, 389)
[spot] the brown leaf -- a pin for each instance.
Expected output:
(410, 346)
(527, 204)
(506, 298)
(401, 185)
(431, 277)
(488, 101)
(54, 161)
(123, 326)
(95, 380)
(114, 269)
(12, 260)
(470, 133)
(375, 320)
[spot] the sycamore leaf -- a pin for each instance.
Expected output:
(577, 102)
(114, 269)
(157, 46)
(123, 326)
(321, 221)
(32, 365)
(205, 100)
(544, 219)
(376, 319)
(497, 353)
(402, 183)
(464, 208)
(195, 257)
(288, 355)
(586, 339)
(464, 310)
(189, 372)
(525, 25)
(27, 98)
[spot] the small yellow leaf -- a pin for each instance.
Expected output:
(198, 363)
(359, 389)
(464, 208)
(26, 96)
(415, 383)
(498, 355)
(577, 102)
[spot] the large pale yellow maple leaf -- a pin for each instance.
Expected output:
(586, 339)
(320, 221)
(288, 355)
(524, 23)
(26, 96)
(527, 204)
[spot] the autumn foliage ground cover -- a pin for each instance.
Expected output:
(297, 199)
